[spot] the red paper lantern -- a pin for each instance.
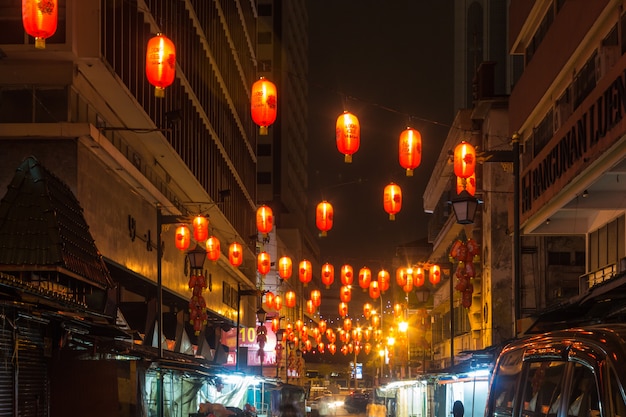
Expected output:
(332, 348)
(324, 217)
(408, 286)
(392, 200)
(263, 263)
(310, 307)
(264, 104)
(343, 309)
(213, 249)
(434, 275)
(375, 320)
(464, 160)
(401, 274)
(321, 347)
(278, 302)
(383, 280)
(367, 348)
(374, 290)
(345, 293)
(348, 135)
(39, 18)
(285, 267)
(398, 309)
(290, 299)
(235, 254)
(418, 275)
(275, 324)
(367, 333)
(347, 275)
(328, 275)
(410, 150)
(264, 219)
(367, 310)
(365, 277)
(316, 297)
(305, 272)
(160, 63)
(200, 228)
(322, 325)
(467, 184)
(269, 300)
(182, 237)
(298, 325)
(347, 324)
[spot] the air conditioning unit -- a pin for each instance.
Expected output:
(606, 57)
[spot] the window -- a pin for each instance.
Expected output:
(542, 387)
(505, 383)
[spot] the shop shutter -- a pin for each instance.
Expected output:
(6, 369)
(33, 392)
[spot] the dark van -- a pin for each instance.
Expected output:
(576, 372)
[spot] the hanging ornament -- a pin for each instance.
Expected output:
(160, 63)
(348, 135)
(375, 319)
(213, 249)
(324, 217)
(408, 286)
(264, 220)
(275, 325)
(264, 104)
(410, 150)
(278, 302)
(316, 297)
(347, 324)
(321, 347)
(365, 277)
(322, 325)
(200, 228)
(367, 348)
(310, 307)
(235, 254)
(367, 334)
(401, 274)
(367, 310)
(383, 280)
(332, 348)
(347, 275)
(464, 160)
(328, 275)
(374, 290)
(392, 200)
(39, 18)
(290, 299)
(343, 309)
(345, 293)
(182, 237)
(434, 275)
(398, 310)
(263, 263)
(305, 272)
(467, 184)
(269, 300)
(284, 267)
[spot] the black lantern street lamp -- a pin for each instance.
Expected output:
(465, 206)
(280, 334)
(261, 315)
(196, 257)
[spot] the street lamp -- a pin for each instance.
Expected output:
(464, 206)
(280, 334)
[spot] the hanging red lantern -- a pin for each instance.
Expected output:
(264, 220)
(367, 310)
(39, 18)
(365, 277)
(375, 320)
(308, 345)
(343, 309)
(324, 217)
(347, 324)
(278, 302)
(383, 280)
(347, 275)
(367, 348)
(290, 299)
(284, 267)
(418, 276)
(275, 324)
(367, 334)
(298, 325)
(305, 272)
(374, 290)
(213, 249)
(464, 160)
(434, 275)
(322, 325)
(263, 263)
(316, 297)
(408, 286)
(345, 293)
(332, 348)
(160, 63)
(348, 135)
(182, 237)
(269, 300)
(410, 150)
(392, 200)
(467, 184)
(401, 274)
(310, 307)
(398, 309)
(264, 104)
(321, 347)
(235, 254)
(200, 228)
(328, 275)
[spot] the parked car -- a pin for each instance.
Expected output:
(356, 401)
(576, 372)
(322, 405)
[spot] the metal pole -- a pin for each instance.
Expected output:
(452, 329)
(238, 323)
(159, 326)
(517, 264)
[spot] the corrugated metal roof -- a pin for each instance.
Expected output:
(42, 227)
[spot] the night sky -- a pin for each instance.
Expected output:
(391, 64)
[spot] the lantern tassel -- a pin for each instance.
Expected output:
(263, 130)
(409, 172)
(348, 159)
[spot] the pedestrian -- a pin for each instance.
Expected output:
(457, 409)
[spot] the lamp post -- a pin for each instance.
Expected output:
(279, 347)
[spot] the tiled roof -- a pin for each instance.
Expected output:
(42, 228)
